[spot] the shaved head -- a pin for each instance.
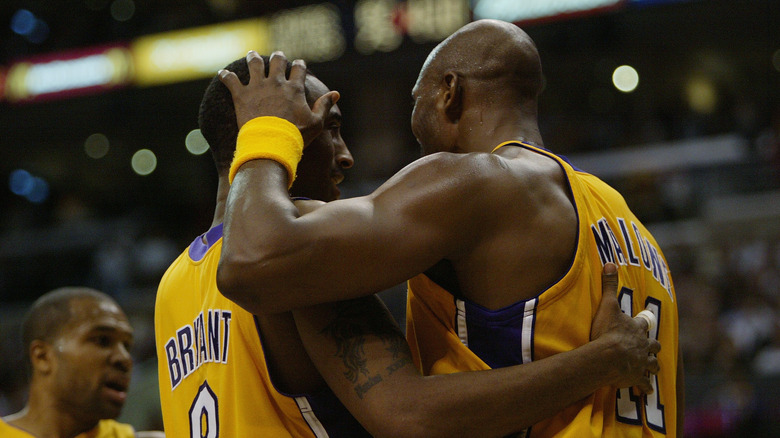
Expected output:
(490, 50)
(477, 88)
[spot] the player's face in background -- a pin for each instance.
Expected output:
(92, 361)
(320, 169)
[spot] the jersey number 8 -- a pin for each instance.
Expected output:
(204, 418)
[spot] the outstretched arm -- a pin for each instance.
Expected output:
(361, 353)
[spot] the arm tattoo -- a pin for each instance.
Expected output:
(354, 320)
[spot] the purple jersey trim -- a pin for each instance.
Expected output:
(496, 336)
(504, 337)
(198, 249)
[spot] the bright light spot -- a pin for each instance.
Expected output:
(625, 78)
(144, 162)
(195, 142)
(21, 182)
(122, 10)
(96, 146)
(23, 22)
(776, 59)
(39, 192)
(701, 95)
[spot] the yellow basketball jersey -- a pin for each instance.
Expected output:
(104, 429)
(212, 370)
(448, 334)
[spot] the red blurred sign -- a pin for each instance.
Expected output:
(68, 74)
(2, 83)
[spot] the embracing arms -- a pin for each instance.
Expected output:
(362, 355)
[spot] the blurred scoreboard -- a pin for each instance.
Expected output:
(316, 33)
(380, 25)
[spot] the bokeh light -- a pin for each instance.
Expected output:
(23, 22)
(625, 78)
(195, 142)
(144, 162)
(39, 192)
(122, 10)
(20, 182)
(701, 95)
(96, 146)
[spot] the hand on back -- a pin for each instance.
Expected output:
(634, 350)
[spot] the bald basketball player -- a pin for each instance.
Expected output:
(502, 239)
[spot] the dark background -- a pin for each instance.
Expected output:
(717, 219)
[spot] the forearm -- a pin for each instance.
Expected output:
(257, 204)
(501, 401)
(367, 363)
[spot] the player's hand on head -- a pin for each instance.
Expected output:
(634, 351)
(277, 95)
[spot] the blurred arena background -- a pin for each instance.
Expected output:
(104, 180)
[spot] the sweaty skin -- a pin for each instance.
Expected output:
(378, 227)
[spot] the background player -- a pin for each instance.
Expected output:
(78, 342)
(509, 235)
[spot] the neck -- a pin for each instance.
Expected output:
(223, 187)
(487, 129)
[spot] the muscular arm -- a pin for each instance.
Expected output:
(361, 353)
(363, 245)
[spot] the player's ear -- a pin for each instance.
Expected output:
(41, 356)
(452, 96)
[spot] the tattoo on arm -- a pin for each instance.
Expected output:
(353, 322)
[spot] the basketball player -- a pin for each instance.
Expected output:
(78, 343)
(226, 371)
(502, 239)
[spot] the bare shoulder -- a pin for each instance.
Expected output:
(454, 173)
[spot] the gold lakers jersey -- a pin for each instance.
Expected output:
(212, 371)
(448, 334)
(104, 429)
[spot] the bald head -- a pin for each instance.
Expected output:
(490, 50)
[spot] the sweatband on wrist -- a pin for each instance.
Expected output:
(270, 138)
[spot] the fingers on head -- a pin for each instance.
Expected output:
(298, 70)
(256, 64)
(277, 65)
(229, 79)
